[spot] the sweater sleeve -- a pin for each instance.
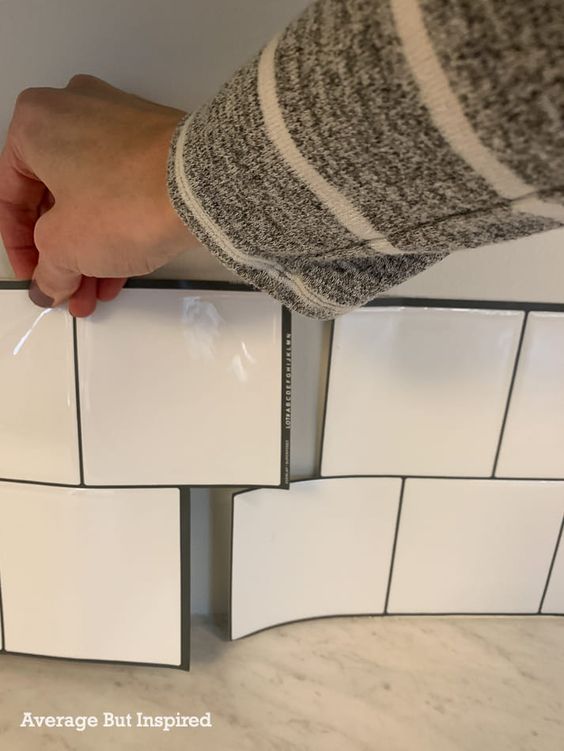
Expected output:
(373, 137)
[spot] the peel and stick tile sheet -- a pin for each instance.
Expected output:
(176, 387)
(457, 391)
(171, 385)
(95, 574)
(321, 548)
(443, 474)
(181, 387)
(387, 546)
(418, 391)
(476, 546)
(465, 394)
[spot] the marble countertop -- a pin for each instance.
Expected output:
(339, 684)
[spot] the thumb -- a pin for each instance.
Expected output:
(51, 285)
(52, 281)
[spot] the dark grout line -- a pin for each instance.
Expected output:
(394, 546)
(552, 562)
(510, 393)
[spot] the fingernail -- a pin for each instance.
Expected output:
(39, 297)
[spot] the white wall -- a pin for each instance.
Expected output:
(178, 52)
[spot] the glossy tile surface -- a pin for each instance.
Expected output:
(418, 390)
(321, 548)
(554, 599)
(182, 387)
(533, 441)
(38, 424)
(91, 574)
(475, 546)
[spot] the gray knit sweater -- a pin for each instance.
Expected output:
(373, 137)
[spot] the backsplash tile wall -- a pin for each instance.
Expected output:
(457, 402)
(177, 387)
(174, 384)
(443, 479)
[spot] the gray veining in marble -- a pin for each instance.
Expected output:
(343, 684)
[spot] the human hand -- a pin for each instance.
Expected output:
(83, 192)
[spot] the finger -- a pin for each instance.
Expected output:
(109, 289)
(83, 302)
(52, 285)
(20, 198)
(54, 279)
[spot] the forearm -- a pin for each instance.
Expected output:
(372, 138)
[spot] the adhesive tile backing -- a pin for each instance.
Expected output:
(182, 387)
(91, 574)
(475, 546)
(554, 598)
(533, 440)
(418, 390)
(38, 422)
(321, 548)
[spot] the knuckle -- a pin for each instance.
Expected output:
(27, 96)
(31, 96)
(30, 100)
(81, 80)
